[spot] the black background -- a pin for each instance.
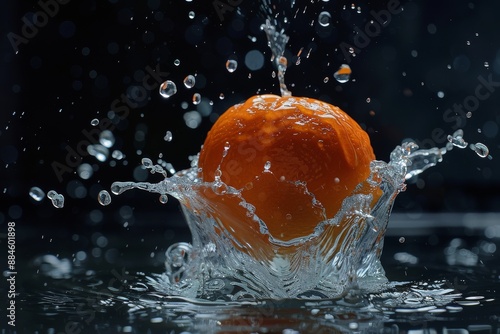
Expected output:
(48, 96)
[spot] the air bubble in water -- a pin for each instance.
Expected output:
(324, 19)
(107, 139)
(168, 89)
(196, 98)
(343, 74)
(191, 15)
(168, 136)
(221, 96)
(177, 62)
(231, 65)
(481, 149)
(189, 81)
(37, 194)
(94, 122)
(104, 198)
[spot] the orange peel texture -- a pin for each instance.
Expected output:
(295, 159)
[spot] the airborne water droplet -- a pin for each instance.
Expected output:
(196, 98)
(147, 162)
(189, 81)
(100, 152)
(104, 198)
(231, 65)
(51, 194)
(107, 139)
(117, 154)
(167, 89)
(457, 139)
(37, 194)
(168, 136)
(57, 199)
(481, 149)
(343, 74)
(324, 19)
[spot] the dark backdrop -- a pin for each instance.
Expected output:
(87, 55)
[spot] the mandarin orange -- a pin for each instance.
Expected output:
(294, 159)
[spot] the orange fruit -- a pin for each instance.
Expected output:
(294, 159)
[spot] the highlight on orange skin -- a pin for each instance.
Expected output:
(284, 154)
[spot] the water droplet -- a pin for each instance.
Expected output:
(163, 198)
(104, 198)
(227, 146)
(231, 65)
(167, 89)
(94, 122)
(168, 136)
(267, 166)
(481, 149)
(51, 194)
(219, 188)
(177, 62)
(402, 239)
(118, 155)
(368, 100)
(100, 152)
(282, 63)
(486, 64)
(37, 194)
(147, 162)
(343, 74)
(457, 139)
(196, 98)
(107, 139)
(440, 94)
(326, 79)
(221, 96)
(192, 119)
(191, 15)
(57, 199)
(85, 171)
(324, 19)
(189, 81)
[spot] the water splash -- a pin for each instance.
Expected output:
(277, 42)
(342, 252)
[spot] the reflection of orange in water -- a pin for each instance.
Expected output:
(299, 139)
